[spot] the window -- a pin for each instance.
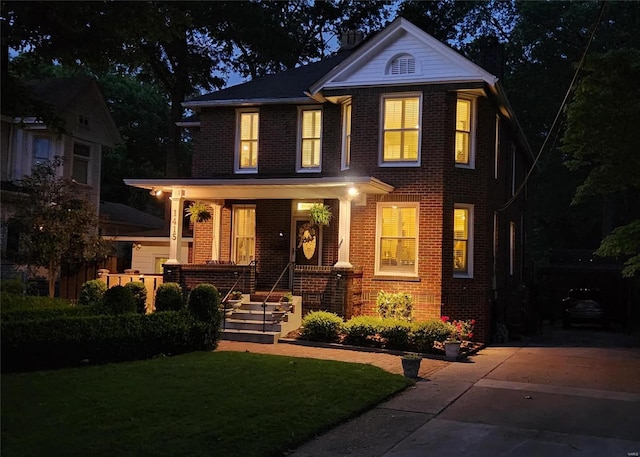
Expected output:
(81, 157)
(41, 148)
(247, 145)
(157, 264)
(464, 153)
(83, 121)
(401, 131)
(402, 65)
(512, 247)
(346, 135)
(310, 139)
(463, 240)
(397, 239)
(244, 234)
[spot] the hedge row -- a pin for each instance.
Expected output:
(374, 331)
(75, 340)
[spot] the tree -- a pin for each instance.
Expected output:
(57, 226)
(601, 139)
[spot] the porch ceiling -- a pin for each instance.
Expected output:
(272, 188)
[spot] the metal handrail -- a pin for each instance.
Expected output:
(224, 300)
(264, 302)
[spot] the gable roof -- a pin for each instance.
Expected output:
(289, 85)
(59, 92)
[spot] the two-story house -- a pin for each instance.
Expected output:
(413, 147)
(79, 129)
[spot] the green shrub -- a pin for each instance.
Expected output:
(424, 334)
(204, 301)
(321, 326)
(119, 300)
(139, 292)
(169, 297)
(71, 341)
(12, 286)
(395, 333)
(30, 302)
(394, 306)
(92, 292)
(29, 314)
(362, 331)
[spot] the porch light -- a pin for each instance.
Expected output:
(353, 191)
(155, 192)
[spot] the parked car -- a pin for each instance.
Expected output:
(584, 306)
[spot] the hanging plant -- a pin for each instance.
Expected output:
(320, 214)
(198, 212)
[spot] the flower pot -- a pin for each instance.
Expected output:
(452, 348)
(411, 366)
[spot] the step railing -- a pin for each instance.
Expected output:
(264, 302)
(252, 264)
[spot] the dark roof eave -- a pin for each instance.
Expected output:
(246, 102)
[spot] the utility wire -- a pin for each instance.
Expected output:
(562, 105)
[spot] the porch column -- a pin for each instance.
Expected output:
(344, 231)
(175, 231)
(215, 231)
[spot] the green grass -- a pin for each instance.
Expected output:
(198, 404)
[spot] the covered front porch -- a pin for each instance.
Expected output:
(257, 228)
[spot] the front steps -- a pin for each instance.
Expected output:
(246, 322)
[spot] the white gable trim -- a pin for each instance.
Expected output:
(397, 30)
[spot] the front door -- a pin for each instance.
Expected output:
(307, 242)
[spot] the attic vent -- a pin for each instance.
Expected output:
(402, 65)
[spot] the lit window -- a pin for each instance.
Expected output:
(310, 139)
(464, 133)
(397, 239)
(81, 157)
(41, 148)
(401, 130)
(462, 240)
(244, 234)
(346, 135)
(247, 158)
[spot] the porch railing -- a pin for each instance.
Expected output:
(252, 264)
(264, 302)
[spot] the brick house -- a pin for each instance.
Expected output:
(413, 147)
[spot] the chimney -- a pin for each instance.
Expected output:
(491, 58)
(350, 39)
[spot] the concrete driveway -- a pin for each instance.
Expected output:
(574, 393)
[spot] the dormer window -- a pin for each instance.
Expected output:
(83, 121)
(402, 65)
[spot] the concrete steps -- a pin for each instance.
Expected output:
(246, 322)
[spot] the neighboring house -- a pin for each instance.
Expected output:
(141, 239)
(82, 128)
(414, 148)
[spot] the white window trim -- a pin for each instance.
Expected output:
(299, 167)
(345, 161)
(496, 151)
(470, 237)
(379, 207)
(236, 160)
(233, 229)
(88, 159)
(512, 247)
(418, 161)
(472, 133)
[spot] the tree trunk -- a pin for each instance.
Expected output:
(53, 272)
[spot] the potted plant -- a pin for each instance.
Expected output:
(320, 214)
(235, 298)
(286, 302)
(197, 212)
(459, 330)
(411, 364)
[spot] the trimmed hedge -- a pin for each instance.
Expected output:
(204, 301)
(362, 331)
(20, 302)
(396, 334)
(169, 297)
(424, 334)
(139, 292)
(72, 341)
(119, 300)
(321, 326)
(92, 292)
(394, 305)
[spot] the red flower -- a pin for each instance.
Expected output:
(444, 318)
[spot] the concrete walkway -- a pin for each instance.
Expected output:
(503, 401)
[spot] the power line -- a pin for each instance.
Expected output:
(562, 105)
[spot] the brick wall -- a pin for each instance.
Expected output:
(221, 276)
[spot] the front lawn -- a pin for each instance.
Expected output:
(198, 404)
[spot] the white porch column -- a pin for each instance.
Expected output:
(175, 230)
(344, 233)
(215, 231)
